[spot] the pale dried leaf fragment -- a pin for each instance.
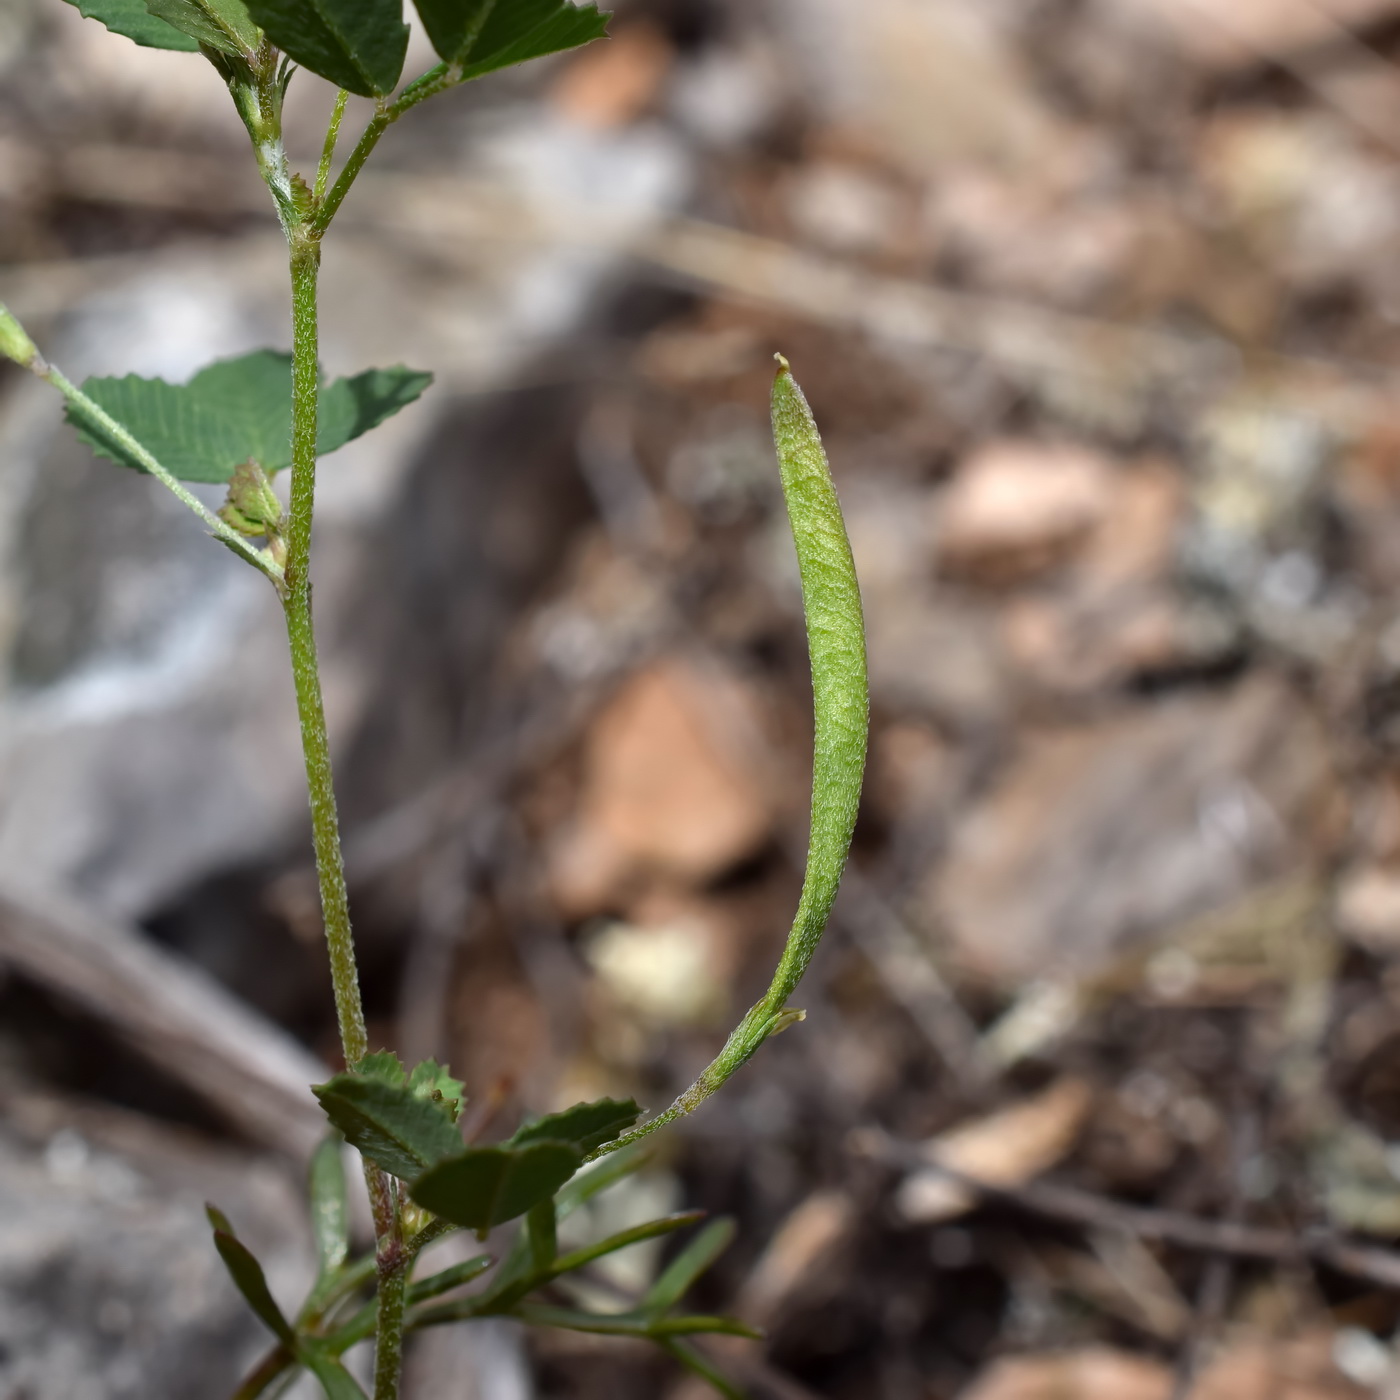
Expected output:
(674, 786)
(1096, 1373)
(1005, 1149)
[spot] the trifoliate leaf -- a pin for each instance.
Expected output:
(132, 19)
(248, 1276)
(356, 44)
(234, 411)
(225, 25)
(486, 1186)
(432, 1082)
(388, 1124)
(585, 1125)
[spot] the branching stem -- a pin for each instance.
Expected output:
(323, 171)
(434, 81)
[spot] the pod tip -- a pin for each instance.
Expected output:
(783, 366)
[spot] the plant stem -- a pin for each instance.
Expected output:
(434, 81)
(323, 171)
(394, 1269)
(325, 826)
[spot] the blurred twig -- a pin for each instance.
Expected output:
(250, 1070)
(1078, 1207)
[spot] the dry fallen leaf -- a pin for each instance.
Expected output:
(1006, 1148)
(674, 785)
(1261, 1369)
(1096, 1373)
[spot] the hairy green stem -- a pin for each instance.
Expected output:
(325, 826)
(434, 81)
(394, 1269)
(323, 171)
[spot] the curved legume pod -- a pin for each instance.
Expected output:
(841, 709)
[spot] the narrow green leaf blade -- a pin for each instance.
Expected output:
(329, 1209)
(586, 1125)
(389, 1125)
(248, 1277)
(334, 1379)
(435, 1285)
(687, 1266)
(131, 19)
(699, 1365)
(703, 1323)
(649, 1230)
(576, 1320)
(486, 1186)
(222, 24)
(356, 44)
(542, 1233)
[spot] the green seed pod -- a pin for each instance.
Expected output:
(841, 707)
(14, 343)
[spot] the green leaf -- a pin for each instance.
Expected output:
(631, 1324)
(454, 1277)
(485, 1186)
(586, 1125)
(700, 1366)
(335, 1380)
(234, 411)
(383, 1065)
(132, 19)
(432, 1082)
(650, 1230)
(248, 1277)
(329, 1214)
(484, 35)
(542, 1233)
(388, 1124)
(349, 408)
(686, 1267)
(702, 1323)
(225, 25)
(356, 44)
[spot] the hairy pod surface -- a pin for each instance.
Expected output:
(840, 687)
(841, 713)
